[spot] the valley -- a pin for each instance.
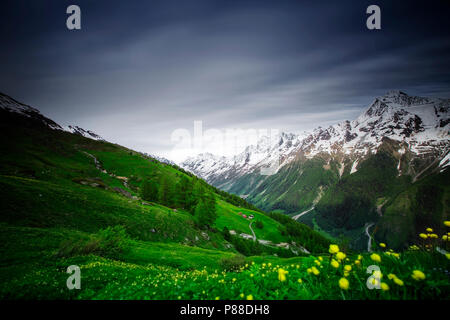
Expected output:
(141, 228)
(332, 178)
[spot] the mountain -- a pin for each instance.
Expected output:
(420, 124)
(75, 182)
(341, 178)
(82, 132)
(10, 105)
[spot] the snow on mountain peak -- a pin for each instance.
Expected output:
(82, 132)
(11, 105)
(422, 124)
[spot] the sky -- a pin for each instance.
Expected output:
(141, 73)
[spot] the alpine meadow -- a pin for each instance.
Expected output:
(139, 228)
(224, 159)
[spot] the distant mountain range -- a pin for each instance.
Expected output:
(347, 175)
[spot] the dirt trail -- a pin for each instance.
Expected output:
(254, 235)
(99, 167)
(379, 207)
(369, 242)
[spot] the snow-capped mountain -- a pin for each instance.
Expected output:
(11, 105)
(268, 151)
(82, 132)
(160, 159)
(421, 126)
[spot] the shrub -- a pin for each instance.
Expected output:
(233, 263)
(110, 242)
(259, 224)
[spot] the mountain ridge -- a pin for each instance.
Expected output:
(348, 173)
(394, 115)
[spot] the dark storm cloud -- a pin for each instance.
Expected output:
(139, 70)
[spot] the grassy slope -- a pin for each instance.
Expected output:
(229, 217)
(348, 205)
(292, 189)
(425, 203)
(43, 205)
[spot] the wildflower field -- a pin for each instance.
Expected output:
(418, 273)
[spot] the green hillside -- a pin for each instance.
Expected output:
(424, 203)
(142, 229)
(292, 189)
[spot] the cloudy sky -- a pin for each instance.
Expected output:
(139, 70)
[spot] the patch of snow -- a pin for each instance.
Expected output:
(445, 161)
(354, 165)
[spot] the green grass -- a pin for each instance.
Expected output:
(49, 221)
(259, 279)
(229, 217)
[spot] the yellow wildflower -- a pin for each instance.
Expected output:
(315, 271)
(334, 264)
(357, 262)
(299, 280)
(391, 276)
(445, 237)
(348, 268)
(429, 230)
(383, 245)
(384, 286)
(343, 284)
(377, 274)
(320, 258)
(418, 275)
(375, 257)
(447, 223)
(340, 255)
(423, 236)
(374, 281)
(448, 256)
(398, 281)
(249, 297)
(334, 248)
(282, 274)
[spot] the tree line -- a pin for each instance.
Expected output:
(192, 195)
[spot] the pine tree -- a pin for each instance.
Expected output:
(205, 211)
(183, 192)
(166, 192)
(149, 190)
